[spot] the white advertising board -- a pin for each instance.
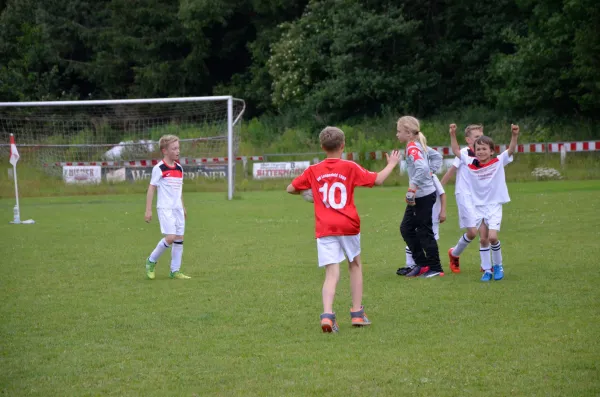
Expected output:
(290, 169)
(82, 174)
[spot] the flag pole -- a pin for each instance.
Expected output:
(17, 192)
(14, 158)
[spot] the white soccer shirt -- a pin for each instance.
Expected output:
(463, 185)
(488, 180)
(169, 183)
(437, 206)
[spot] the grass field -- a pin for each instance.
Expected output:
(79, 318)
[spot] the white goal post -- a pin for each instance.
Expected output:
(124, 133)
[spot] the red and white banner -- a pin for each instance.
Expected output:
(586, 146)
(555, 147)
(153, 162)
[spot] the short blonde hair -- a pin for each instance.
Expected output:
(166, 140)
(412, 125)
(472, 127)
(332, 138)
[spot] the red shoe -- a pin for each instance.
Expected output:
(454, 262)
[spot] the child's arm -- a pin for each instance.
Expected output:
(292, 190)
(443, 208)
(149, 199)
(513, 140)
(300, 183)
(392, 162)
(453, 141)
(448, 175)
(183, 206)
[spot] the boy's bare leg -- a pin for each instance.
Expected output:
(356, 283)
(332, 276)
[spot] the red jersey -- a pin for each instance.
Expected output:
(332, 182)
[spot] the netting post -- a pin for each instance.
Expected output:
(230, 158)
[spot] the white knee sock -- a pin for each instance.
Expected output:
(410, 262)
(463, 242)
(158, 251)
(176, 254)
(496, 254)
(486, 261)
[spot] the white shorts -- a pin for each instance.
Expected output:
(436, 230)
(171, 221)
(466, 211)
(334, 249)
(491, 214)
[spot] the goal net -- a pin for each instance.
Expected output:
(121, 136)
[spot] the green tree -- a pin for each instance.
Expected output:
(346, 57)
(556, 66)
(42, 48)
(262, 21)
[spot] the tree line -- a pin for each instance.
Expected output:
(330, 59)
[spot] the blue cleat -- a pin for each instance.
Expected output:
(498, 272)
(487, 276)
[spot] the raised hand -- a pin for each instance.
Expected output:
(453, 129)
(514, 128)
(393, 158)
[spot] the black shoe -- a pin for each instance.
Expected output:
(432, 273)
(403, 270)
(415, 271)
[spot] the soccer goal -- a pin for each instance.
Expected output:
(121, 136)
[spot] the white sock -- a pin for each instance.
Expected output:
(176, 254)
(463, 241)
(486, 261)
(158, 251)
(410, 262)
(496, 254)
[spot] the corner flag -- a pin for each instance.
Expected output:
(14, 153)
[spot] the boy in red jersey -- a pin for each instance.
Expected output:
(337, 224)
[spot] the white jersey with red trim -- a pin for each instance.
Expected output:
(487, 181)
(437, 206)
(169, 183)
(462, 185)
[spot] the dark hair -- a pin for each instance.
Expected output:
(485, 140)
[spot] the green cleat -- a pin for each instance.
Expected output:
(179, 275)
(150, 269)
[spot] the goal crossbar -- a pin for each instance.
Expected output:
(231, 122)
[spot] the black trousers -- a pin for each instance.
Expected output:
(417, 230)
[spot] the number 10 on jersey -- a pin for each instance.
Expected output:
(328, 195)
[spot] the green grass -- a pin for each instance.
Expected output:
(79, 319)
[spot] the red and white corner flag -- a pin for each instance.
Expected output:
(14, 153)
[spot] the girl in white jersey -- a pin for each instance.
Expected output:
(489, 193)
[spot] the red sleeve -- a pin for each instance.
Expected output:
(363, 177)
(413, 152)
(301, 182)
